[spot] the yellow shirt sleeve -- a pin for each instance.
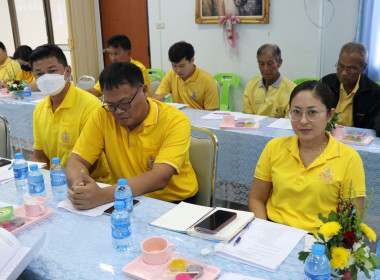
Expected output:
(165, 85)
(354, 176)
(247, 106)
(211, 96)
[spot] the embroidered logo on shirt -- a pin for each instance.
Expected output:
(150, 162)
(193, 95)
(326, 175)
(65, 137)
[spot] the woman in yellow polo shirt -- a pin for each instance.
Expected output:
(299, 176)
(21, 55)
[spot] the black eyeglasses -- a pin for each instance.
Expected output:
(349, 69)
(125, 106)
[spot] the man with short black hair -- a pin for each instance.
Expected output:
(357, 97)
(144, 140)
(186, 82)
(119, 50)
(268, 95)
(9, 68)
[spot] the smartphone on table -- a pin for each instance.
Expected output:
(110, 210)
(215, 222)
(4, 162)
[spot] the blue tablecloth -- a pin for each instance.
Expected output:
(80, 247)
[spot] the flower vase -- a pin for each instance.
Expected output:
(18, 94)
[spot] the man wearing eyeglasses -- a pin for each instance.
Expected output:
(144, 140)
(119, 50)
(357, 97)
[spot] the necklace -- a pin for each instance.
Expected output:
(317, 153)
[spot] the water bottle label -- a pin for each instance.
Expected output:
(37, 186)
(121, 231)
(21, 173)
(309, 276)
(58, 178)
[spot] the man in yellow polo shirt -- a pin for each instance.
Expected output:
(268, 95)
(357, 97)
(186, 82)
(119, 50)
(9, 68)
(144, 140)
(59, 119)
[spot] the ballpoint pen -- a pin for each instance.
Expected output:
(242, 233)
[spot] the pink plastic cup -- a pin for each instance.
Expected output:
(156, 250)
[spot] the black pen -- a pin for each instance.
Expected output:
(242, 233)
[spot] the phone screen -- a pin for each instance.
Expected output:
(216, 220)
(110, 210)
(4, 162)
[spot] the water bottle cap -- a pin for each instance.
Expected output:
(318, 249)
(19, 156)
(33, 167)
(122, 182)
(56, 160)
(119, 204)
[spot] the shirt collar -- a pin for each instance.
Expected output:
(67, 101)
(193, 77)
(152, 117)
(276, 84)
(355, 88)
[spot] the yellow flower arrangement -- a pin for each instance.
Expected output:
(342, 233)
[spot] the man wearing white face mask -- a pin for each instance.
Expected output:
(59, 118)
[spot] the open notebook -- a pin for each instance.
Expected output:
(184, 216)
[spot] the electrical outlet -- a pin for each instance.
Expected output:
(160, 25)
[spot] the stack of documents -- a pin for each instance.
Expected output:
(264, 245)
(6, 171)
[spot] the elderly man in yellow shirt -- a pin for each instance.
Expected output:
(21, 55)
(268, 95)
(144, 140)
(9, 68)
(59, 119)
(119, 50)
(186, 82)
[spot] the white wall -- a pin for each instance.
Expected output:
(307, 51)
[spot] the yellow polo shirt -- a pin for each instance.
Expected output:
(163, 137)
(273, 103)
(143, 70)
(200, 90)
(25, 75)
(56, 133)
(345, 105)
(9, 69)
(299, 194)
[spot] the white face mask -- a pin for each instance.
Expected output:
(51, 84)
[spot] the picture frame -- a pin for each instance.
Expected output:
(248, 11)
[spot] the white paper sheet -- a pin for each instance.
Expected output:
(178, 105)
(97, 211)
(218, 115)
(265, 245)
(281, 123)
(235, 276)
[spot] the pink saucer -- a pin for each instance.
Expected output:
(29, 221)
(233, 127)
(138, 269)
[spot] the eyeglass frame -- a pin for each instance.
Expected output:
(306, 114)
(349, 69)
(127, 103)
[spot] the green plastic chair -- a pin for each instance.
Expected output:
(226, 80)
(378, 83)
(155, 74)
(301, 80)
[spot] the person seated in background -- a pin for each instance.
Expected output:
(9, 68)
(59, 118)
(268, 95)
(186, 82)
(357, 97)
(119, 50)
(21, 55)
(144, 140)
(299, 176)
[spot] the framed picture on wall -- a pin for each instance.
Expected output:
(249, 11)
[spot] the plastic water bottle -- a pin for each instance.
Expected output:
(58, 179)
(36, 181)
(377, 271)
(124, 193)
(317, 265)
(20, 170)
(27, 93)
(121, 227)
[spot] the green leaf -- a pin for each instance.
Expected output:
(333, 216)
(303, 255)
(323, 219)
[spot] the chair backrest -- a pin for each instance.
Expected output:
(86, 82)
(203, 155)
(5, 141)
(378, 83)
(301, 80)
(226, 80)
(155, 74)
